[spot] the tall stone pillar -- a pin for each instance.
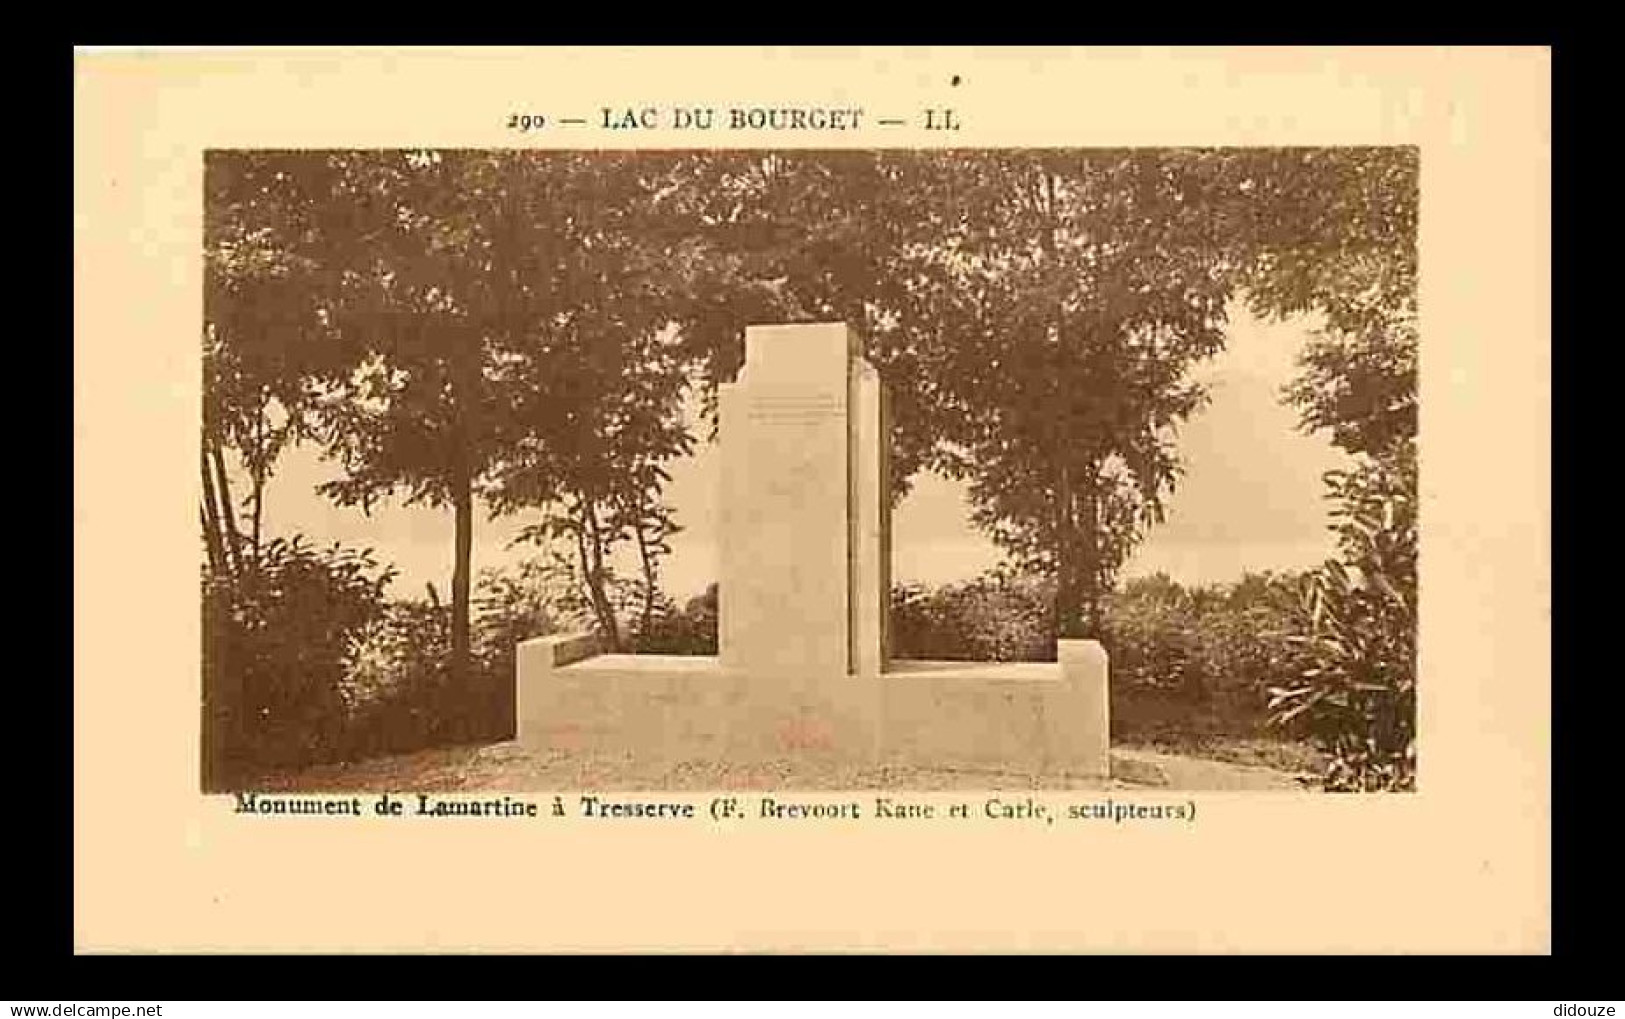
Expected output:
(805, 508)
(871, 521)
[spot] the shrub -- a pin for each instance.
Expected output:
(1357, 696)
(691, 630)
(1203, 657)
(276, 634)
(1249, 633)
(402, 696)
(305, 661)
(398, 690)
(1153, 635)
(510, 606)
(997, 617)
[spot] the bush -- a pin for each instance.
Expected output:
(997, 617)
(1228, 640)
(1153, 636)
(306, 662)
(510, 606)
(1356, 697)
(691, 630)
(401, 693)
(398, 691)
(276, 635)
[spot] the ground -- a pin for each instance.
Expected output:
(1159, 741)
(509, 767)
(1225, 728)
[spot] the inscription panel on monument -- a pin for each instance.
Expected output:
(794, 408)
(784, 587)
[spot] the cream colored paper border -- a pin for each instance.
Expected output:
(1463, 865)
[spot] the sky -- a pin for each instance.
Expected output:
(1250, 497)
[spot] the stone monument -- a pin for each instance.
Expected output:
(805, 507)
(803, 593)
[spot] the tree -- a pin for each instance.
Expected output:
(1034, 314)
(1082, 300)
(1357, 696)
(595, 396)
(262, 338)
(454, 327)
(521, 327)
(1333, 232)
(399, 271)
(1343, 244)
(1091, 282)
(789, 237)
(406, 245)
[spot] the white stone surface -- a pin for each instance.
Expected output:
(784, 592)
(803, 598)
(1081, 734)
(870, 515)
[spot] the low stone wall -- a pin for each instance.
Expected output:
(1040, 717)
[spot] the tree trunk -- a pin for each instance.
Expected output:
(1089, 572)
(592, 565)
(1078, 589)
(258, 476)
(1073, 542)
(259, 507)
(463, 365)
(650, 582)
(1068, 595)
(211, 518)
(463, 509)
(228, 509)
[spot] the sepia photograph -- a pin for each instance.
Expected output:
(808, 499)
(894, 469)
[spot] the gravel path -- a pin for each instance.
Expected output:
(508, 767)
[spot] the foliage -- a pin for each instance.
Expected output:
(511, 606)
(690, 630)
(1091, 303)
(1191, 649)
(997, 617)
(275, 646)
(1333, 232)
(470, 325)
(1357, 697)
(1032, 312)
(306, 661)
(594, 390)
(406, 697)
(1155, 639)
(1035, 313)
(1226, 640)
(262, 349)
(520, 329)
(398, 691)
